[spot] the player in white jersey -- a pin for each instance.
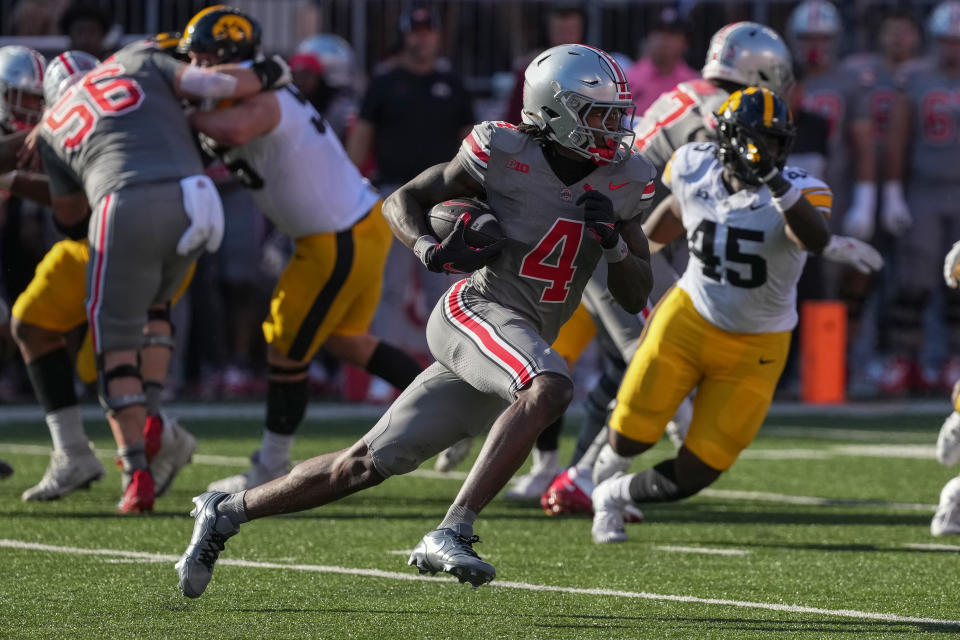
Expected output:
(300, 176)
(725, 327)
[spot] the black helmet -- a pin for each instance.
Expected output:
(227, 33)
(744, 121)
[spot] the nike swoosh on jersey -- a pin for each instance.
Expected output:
(614, 187)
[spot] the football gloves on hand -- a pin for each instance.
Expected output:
(859, 220)
(951, 266)
(203, 207)
(273, 72)
(598, 217)
(857, 253)
(454, 255)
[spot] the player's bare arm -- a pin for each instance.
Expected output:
(664, 225)
(231, 80)
(806, 226)
(631, 279)
(238, 124)
(405, 210)
(30, 186)
(70, 209)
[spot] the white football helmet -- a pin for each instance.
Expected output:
(63, 71)
(563, 84)
(751, 55)
(944, 21)
(335, 58)
(21, 86)
(814, 18)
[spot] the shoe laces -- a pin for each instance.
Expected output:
(215, 544)
(467, 544)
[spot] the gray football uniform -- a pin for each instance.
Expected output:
(492, 332)
(841, 97)
(120, 135)
(677, 117)
(933, 188)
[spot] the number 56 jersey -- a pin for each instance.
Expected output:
(743, 269)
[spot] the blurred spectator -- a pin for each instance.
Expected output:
(566, 24)
(325, 71)
(86, 25)
(662, 66)
(36, 17)
(415, 114)
(924, 149)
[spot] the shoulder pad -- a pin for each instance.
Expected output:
(692, 157)
(639, 169)
(505, 136)
(698, 87)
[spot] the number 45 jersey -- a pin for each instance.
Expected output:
(549, 255)
(743, 269)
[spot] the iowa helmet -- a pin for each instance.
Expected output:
(746, 122)
(229, 34)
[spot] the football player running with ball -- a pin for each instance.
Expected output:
(567, 191)
(725, 327)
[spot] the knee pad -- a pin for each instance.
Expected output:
(112, 404)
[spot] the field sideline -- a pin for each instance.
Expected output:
(821, 529)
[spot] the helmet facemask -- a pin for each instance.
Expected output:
(739, 143)
(610, 142)
(24, 107)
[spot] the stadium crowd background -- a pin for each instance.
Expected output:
(482, 44)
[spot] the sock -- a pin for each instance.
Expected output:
(586, 463)
(51, 376)
(460, 519)
(393, 365)
(232, 507)
(620, 488)
(153, 391)
(549, 438)
(545, 461)
(66, 430)
(609, 463)
(275, 449)
(597, 406)
(286, 405)
(133, 457)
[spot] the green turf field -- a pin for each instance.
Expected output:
(821, 516)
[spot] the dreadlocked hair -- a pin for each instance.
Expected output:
(538, 134)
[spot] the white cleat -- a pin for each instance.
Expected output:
(65, 474)
(176, 449)
(453, 455)
(531, 486)
(608, 515)
(255, 476)
(211, 530)
(448, 551)
(946, 521)
(948, 442)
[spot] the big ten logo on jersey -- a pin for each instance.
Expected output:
(104, 92)
(517, 166)
(940, 114)
(828, 104)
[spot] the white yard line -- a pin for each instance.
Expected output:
(502, 584)
(931, 546)
(703, 550)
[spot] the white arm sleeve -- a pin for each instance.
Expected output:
(204, 83)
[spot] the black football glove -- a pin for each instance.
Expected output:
(598, 216)
(274, 72)
(756, 157)
(454, 255)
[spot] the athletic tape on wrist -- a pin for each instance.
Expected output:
(617, 253)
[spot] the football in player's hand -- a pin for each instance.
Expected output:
(483, 229)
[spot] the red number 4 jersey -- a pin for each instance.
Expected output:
(549, 256)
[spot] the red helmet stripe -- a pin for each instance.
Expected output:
(66, 63)
(36, 60)
(618, 74)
